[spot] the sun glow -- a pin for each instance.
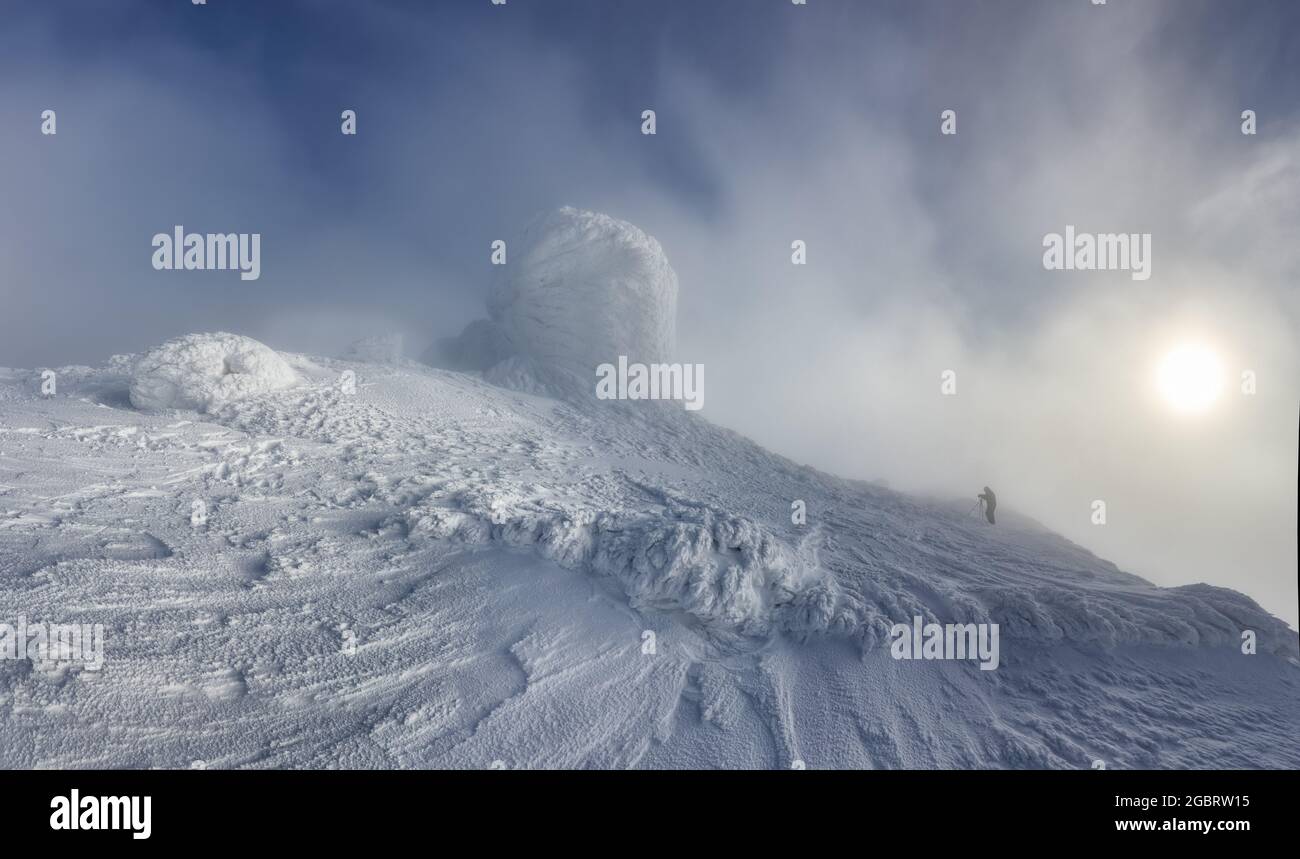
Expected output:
(1190, 378)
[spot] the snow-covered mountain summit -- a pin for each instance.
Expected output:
(435, 571)
(311, 562)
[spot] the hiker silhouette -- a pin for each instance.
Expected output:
(989, 502)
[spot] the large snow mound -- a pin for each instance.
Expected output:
(205, 371)
(583, 289)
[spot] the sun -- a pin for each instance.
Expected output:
(1190, 378)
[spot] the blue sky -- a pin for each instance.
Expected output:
(775, 122)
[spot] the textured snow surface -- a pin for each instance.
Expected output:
(583, 288)
(204, 371)
(553, 583)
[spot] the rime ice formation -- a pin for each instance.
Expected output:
(579, 290)
(583, 288)
(205, 371)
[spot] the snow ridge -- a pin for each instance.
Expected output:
(728, 573)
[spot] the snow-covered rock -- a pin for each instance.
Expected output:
(584, 288)
(205, 371)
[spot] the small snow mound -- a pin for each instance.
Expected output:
(583, 289)
(204, 371)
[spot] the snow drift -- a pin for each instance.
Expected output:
(579, 290)
(204, 371)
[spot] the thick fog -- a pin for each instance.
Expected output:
(775, 123)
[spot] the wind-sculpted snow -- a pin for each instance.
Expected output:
(204, 371)
(739, 579)
(423, 569)
(726, 572)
